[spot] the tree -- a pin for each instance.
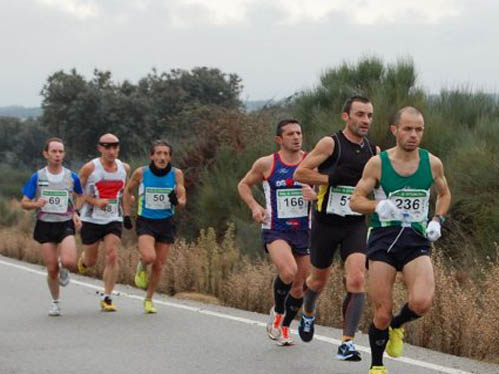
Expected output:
(80, 111)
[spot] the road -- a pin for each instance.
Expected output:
(184, 337)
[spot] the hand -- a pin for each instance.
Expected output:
(76, 221)
(387, 210)
(40, 203)
(308, 193)
(433, 231)
(101, 203)
(259, 214)
(173, 198)
(127, 222)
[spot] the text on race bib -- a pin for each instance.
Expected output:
(109, 211)
(57, 201)
(291, 204)
(412, 203)
(339, 199)
(157, 198)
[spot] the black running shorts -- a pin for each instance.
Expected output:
(53, 232)
(92, 232)
(162, 230)
(396, 246)
(326, 237)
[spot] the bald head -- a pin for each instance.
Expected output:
(108, 138)
(405, 111)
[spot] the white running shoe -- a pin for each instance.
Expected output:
(274, 324)
(285, 338)
(55, 309)
(63, 276)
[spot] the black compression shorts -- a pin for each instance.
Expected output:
(325, 239)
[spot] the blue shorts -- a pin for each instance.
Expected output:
(298, 240)
(396, 248)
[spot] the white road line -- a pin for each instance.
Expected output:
(406, 360)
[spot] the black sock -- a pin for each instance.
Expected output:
(377, 340)
(281, 290)
(405, 315)
(292, 307)
(309, 301)
(353, 306)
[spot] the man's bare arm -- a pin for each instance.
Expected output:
(440, 182)
(180, 190)
(371, 175)
(307, 172)
(130, 189)
(28, 204)
(255, 175)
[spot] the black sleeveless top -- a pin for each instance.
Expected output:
(351, 157)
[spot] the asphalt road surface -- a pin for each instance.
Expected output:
(184, 337)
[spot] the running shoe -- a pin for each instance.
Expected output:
(107, 305)
(82, 268)
(274, 324)
(141, 280)
(347, 352)
(55, 309)
(306, 327)
(285, 338)
(378, 370)
(395, 345)
(149, 307)
(63, 276)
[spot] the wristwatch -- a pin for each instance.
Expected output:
(441, 219)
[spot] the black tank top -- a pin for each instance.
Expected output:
(351, 157)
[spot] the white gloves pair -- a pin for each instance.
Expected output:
(387, 210)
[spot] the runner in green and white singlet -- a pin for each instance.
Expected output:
(401, 235)
(411, 194)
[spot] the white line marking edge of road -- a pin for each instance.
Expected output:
(406, 360)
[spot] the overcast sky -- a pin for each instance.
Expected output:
(276, 46)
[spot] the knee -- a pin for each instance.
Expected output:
(149, 258)
(421, 305)
(112, 257)
(288, 274)
(158, 265)
(316, 284)
(382, 318)
(355, 282)
(68, 263)
(297, 291)
(52, 271)
(90, 260)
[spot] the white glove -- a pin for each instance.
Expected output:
(388, 211)
(433, 231)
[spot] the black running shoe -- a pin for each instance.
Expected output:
(306, 327)
(347, 352)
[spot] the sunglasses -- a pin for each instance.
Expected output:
(110, 145)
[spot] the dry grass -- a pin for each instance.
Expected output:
(463, 320)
